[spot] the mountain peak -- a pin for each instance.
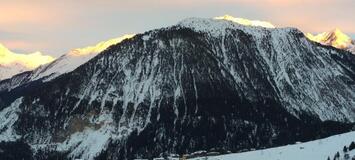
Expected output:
(13, 63)
(30, 61)
(335, 38)
(246, 22)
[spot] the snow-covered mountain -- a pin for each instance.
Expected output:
(335, 38)
(13, 63)
(202, 84)
(64, 64)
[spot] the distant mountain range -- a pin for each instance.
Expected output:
(335, 38)
(64, 64)
(13, 63)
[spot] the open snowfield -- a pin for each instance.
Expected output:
(313, 150)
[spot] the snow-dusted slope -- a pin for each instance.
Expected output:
(7, 71)
(314, 150)
(13, 63)
(299, 87)
(8, 117)
(335, 38)
(64, 64)
(73, 59)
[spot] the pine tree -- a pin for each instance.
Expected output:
(345, 149)
(336, 156)
(352, 146)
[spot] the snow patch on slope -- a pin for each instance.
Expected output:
(8, 117)
(90, 142)
(87, 144)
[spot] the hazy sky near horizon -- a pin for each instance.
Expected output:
(54, 27)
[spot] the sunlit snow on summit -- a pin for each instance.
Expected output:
(30, 61)
(13, 63)
(246, 22)
(335, 38)
(98, 47)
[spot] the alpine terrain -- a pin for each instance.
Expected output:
(64, 64)
(13, 63)
(335, 38)
(221, 84)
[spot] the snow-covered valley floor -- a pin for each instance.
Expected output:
(314, 150)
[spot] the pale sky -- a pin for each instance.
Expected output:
(56, 26)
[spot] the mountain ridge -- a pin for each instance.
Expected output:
(64, 64)
(14, 63)
(75, 58)
(335, 38)
(246, 22)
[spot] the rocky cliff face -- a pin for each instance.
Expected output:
(198, 85)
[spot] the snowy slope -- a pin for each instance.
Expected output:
(283, 60)
(7, 71)
(64, 64)
(13, 63)
(314, 150)
(8, 117)
(73, 59)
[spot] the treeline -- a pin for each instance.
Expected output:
(346, 155)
